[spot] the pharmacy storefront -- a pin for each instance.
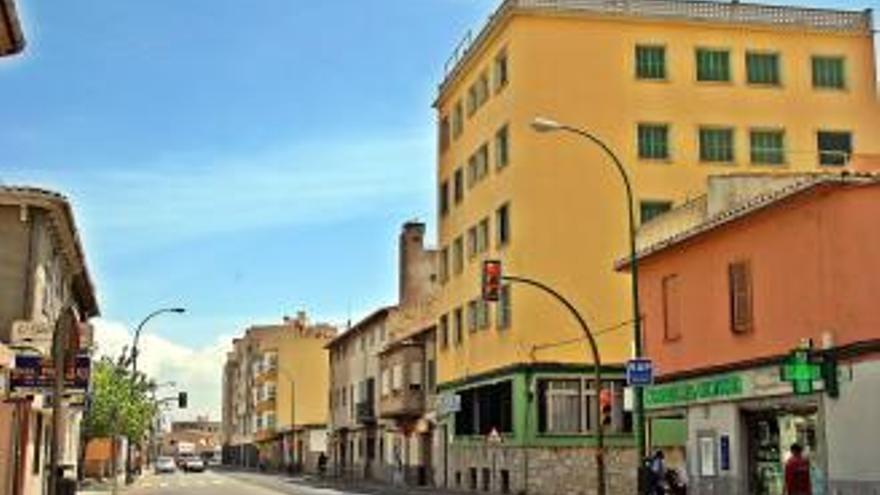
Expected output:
(730, 433)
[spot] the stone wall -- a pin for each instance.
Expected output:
(538, 470)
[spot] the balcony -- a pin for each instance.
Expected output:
(403, 390)
(406, 403)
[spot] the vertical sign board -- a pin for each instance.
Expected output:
(725, 453)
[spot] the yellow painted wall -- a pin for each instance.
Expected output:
(567, 203)
(306, 360)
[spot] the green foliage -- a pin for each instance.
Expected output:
(120, 404)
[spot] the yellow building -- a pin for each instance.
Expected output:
(275, 395)
(680, 90)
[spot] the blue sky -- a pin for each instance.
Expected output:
(245, 159)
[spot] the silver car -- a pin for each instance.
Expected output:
(165, 465)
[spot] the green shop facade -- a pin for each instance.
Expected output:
(530, 428)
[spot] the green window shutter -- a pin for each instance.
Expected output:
(650, 62)
(828, 72)
(767, 147)
(762, 68)
(716, 145)
(713, 65)
(653, 141)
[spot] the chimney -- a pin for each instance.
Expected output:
(412, 245)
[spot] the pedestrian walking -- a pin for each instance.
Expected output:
(658, 473)
(797, 472)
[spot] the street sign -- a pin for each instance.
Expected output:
(639, 372)
(448, 403)
(36, 373)
(494, 437)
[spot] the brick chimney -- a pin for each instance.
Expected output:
(412, 261)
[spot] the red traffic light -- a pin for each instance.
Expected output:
(491, 280)
(605, 404)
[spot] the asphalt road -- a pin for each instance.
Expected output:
(223, 483)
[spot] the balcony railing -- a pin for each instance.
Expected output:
(365, 412)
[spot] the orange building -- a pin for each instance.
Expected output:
(732, 283)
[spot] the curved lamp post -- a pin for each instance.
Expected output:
(134, 356)
(541, 124)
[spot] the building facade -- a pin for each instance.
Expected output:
(680, 90)
(11, 37)
(275, 403)
(45, 288)
(780, 275)
(407, 365)
(357, 440)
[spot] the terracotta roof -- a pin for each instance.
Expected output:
(62, 215)
(10, 28)
(746, 208)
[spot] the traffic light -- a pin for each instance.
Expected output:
(491, 283)
(182, 400)
(605, 406)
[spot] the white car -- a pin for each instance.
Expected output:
(194, 465)
(165, 465)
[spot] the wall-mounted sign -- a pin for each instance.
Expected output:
(448, 403)
(30, 332)
(683, 393)
(38, 373)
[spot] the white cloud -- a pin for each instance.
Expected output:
(197, 371)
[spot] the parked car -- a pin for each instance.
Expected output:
(194, 465)
(165, 465)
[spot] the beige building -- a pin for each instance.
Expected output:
(11, 37)
(383, 375)
(44, 287)
(274, 395)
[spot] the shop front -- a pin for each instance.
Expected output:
(731, 433)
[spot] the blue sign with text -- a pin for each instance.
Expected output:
(639, 372)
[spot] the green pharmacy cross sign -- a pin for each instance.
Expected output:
(801, 371)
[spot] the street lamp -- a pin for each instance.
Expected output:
(542, 124)
(134, 356)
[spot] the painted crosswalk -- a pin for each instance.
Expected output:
(179, 482)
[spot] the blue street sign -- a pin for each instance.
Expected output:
(639, 372)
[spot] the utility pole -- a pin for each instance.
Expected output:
(63, 325)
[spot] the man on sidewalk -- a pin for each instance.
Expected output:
(797, 473)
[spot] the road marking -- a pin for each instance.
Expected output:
(163, 485)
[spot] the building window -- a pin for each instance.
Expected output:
(444, 332)
(472, 315)
(485, 408)
(502, 147)
(835, 147)
(443, 198)
(396, 377)
(472, 242)
(431, 382)
(458, 185)
(716, 145)
(671, 308)
(458, 325)
(458, 255)
(653, 141)
(650, 62)
(500, 71)
(563, 402)
(649, 210)
(444, 265)
(483, 235)
(739, 275)
(482, 314)
(713, 65)
(828, 72)
(415, 376)
(457, 119)
(472, 100)
(482, 89)
(502, 225)
(444, 134)
(762, 68)
(767, 147)
(385, 384)
(478, 165)
(503, 308)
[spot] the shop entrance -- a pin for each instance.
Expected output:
(770, 433)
